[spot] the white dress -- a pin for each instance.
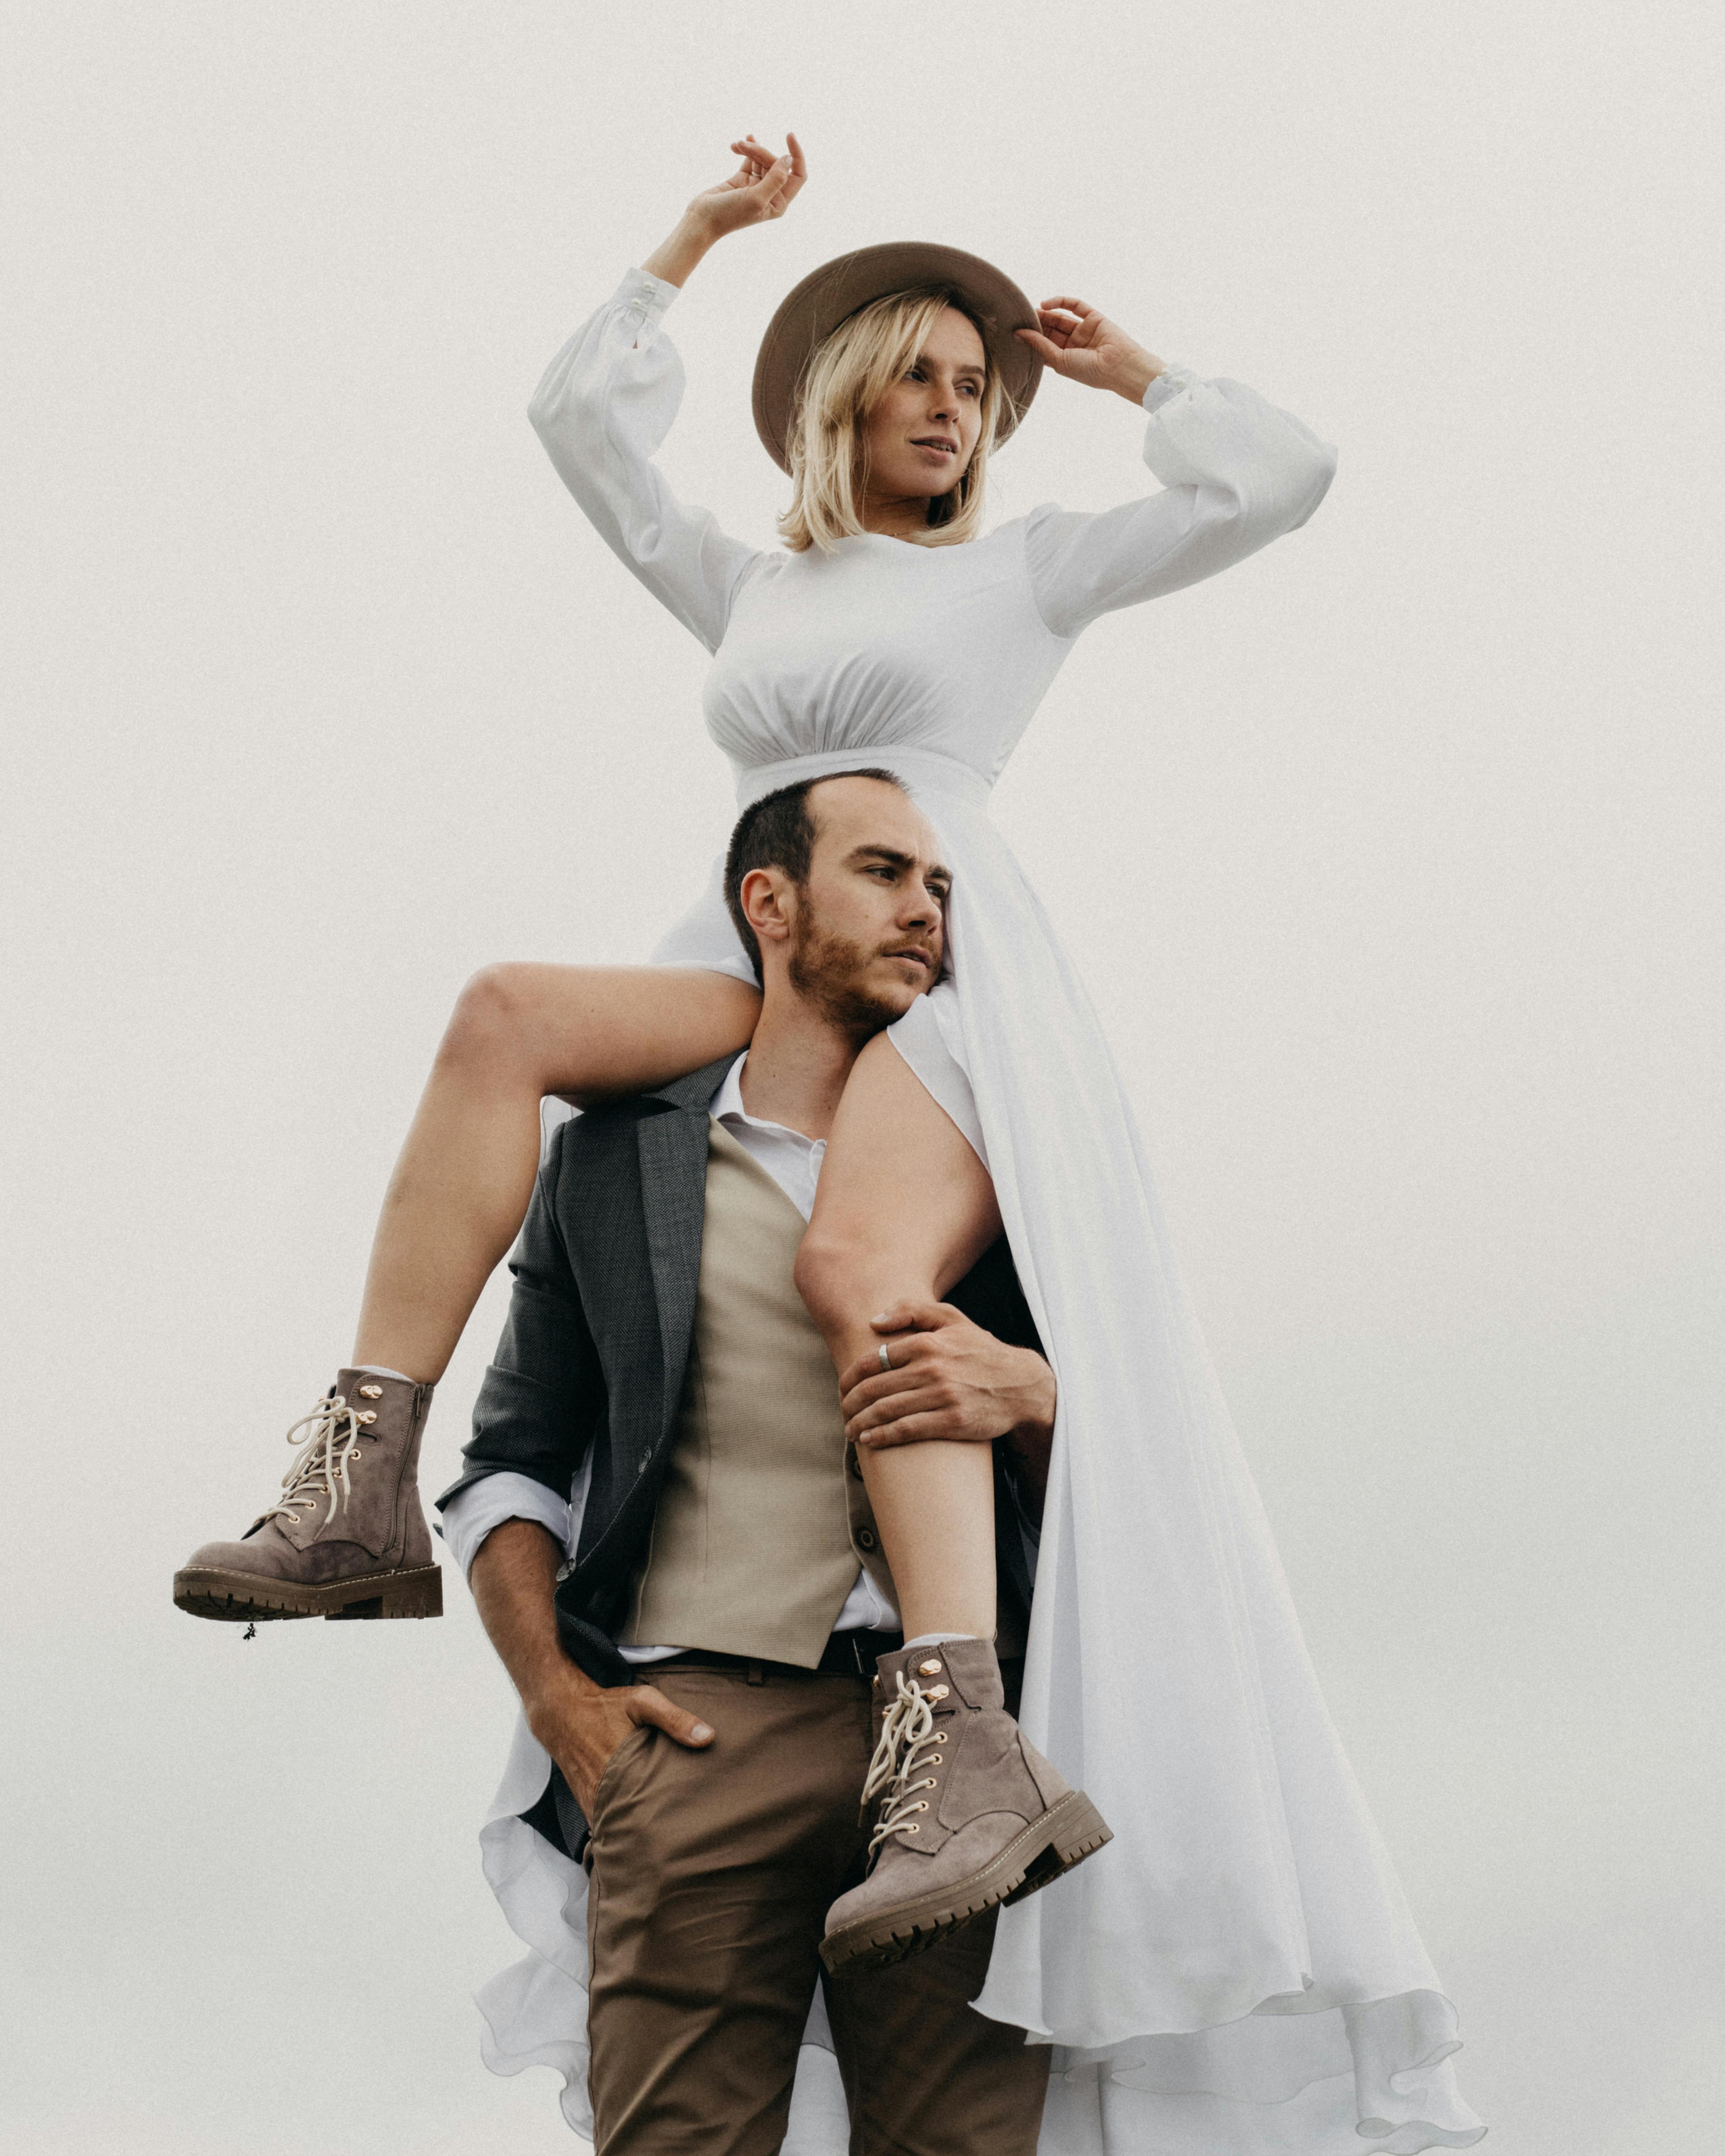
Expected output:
(1238, 1970)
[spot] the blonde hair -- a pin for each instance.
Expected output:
(845, 383)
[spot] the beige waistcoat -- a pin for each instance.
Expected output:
(762, 1519)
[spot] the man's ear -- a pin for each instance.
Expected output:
(768, 899)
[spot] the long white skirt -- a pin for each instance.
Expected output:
(1237, 1970)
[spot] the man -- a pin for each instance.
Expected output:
(725, 1546)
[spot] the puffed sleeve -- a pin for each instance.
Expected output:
(1236, 473)
(606, 403)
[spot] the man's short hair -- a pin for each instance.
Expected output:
(778, 832)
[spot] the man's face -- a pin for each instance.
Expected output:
(867, 930)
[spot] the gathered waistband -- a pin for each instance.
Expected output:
(925, 770)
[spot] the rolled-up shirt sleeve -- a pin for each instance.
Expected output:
(471, 1514)
(1235, 472)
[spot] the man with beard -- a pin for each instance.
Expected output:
(659, 1360)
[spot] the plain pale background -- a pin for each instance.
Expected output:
(1390, 857)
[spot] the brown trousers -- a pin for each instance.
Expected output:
(711, 1875)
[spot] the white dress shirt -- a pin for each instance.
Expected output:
(795, 1162)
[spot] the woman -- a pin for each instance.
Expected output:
(1255, 1908)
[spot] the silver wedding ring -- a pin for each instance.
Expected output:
(886, 1359)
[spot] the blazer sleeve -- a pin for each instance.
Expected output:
(1236, 473)
(605, 405)
(544, 1392)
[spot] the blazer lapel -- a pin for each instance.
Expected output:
(674, 1202)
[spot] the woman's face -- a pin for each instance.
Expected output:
(920, 439)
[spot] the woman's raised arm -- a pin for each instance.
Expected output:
(1236, 473)
(607, 400)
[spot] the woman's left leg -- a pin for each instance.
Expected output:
(971, 1814)
(905, 1209)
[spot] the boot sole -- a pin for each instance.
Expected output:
(1063, 1837)
(242, 1598)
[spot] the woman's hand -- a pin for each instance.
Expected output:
(761, 188)
(1076, 341)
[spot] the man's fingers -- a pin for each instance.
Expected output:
(912, 1316)
(905, 1353)
(649, 1705)
(871, 1385)
(908, 1430)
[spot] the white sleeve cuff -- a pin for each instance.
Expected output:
(1168, 384)
(651, 294)
(471, 1514)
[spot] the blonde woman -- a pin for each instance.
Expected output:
(1245, 1897)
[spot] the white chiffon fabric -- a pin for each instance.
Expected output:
(1238, 1969)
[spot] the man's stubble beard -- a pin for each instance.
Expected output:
(824, 971)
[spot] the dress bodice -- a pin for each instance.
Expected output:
(883, 643)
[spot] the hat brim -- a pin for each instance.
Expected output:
(809, 315)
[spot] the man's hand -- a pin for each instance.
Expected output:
(581, 1724)
(948, 1379)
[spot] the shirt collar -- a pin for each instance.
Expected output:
(728, 1100)
(727, 1107)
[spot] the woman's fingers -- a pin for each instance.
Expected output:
(772, 180)
(1050, 353)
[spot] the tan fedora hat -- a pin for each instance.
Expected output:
(807, 316)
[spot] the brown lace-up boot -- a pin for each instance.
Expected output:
(971, 1813)
(346, 1538)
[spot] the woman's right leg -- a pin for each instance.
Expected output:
(460, 1189)
(346, 1535)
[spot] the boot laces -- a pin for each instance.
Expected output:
(324, 1460)
(907, 1732)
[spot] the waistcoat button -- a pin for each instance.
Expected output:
(865, 1538)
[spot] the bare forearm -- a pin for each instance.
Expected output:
(579, 1722)
(514, 1582)
(676, 257)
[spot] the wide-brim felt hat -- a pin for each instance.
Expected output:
(808, 315)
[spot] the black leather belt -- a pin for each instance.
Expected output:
(846, 1655)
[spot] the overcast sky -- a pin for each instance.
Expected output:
(1391, 858)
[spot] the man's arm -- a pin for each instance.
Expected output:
(950, 1380)
(579, 1722)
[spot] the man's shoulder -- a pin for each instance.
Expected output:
(602, 1126)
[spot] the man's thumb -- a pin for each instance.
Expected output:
(665, 1714)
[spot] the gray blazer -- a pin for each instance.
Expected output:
(593, 1353)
